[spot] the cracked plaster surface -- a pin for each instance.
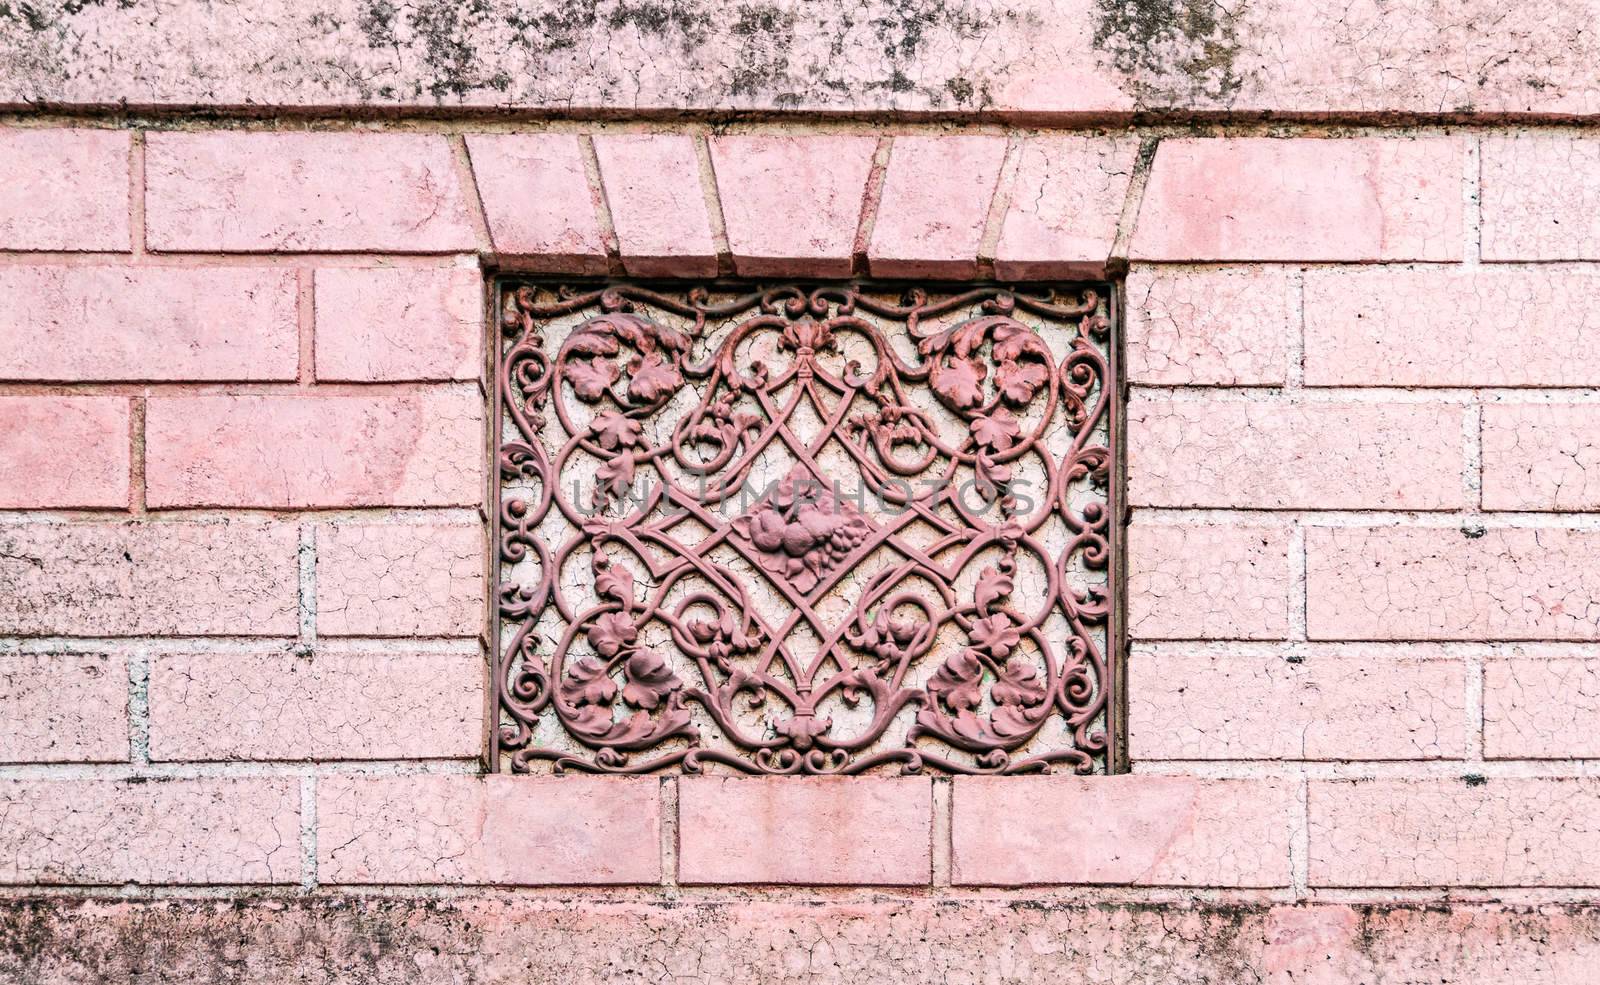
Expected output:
(327, 706)
(150, 830)
(1471, 831)
(170, 578)
(400, 579)
(1371, 56)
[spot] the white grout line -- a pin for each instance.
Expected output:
(669, 831)
(1300, 839)
(1474, 705)
(1465, 396)
(307, 556)
(1472, 450)
(1295, 372)
(236, 769)
(443, 515)
(1371, 769)
(138, 708)
(1133, 201)
(308, 832)
(1363, 650)
(237, 645)
(942, 848)
(1157, 516)
(999, 204)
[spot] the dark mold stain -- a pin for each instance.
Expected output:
(1173, 51)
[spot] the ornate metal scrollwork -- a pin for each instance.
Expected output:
(804, 529)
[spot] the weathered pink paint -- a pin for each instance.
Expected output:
(1538, 457)
(1322, 705)
(1540, 195)
(399, 579)
(1061, 61)
(497, 938)
(822, 831)
(658, 207)
(792, 203)
(936, 198)
(169, 578)
(1461, 831)
(1125, 830)
(187, 323)
(209, 707)
(1208, 582)
(1452, 326)
(158, 830)
(1221, 326)
(498, 830)
(64, 189)
(385, 325)
(538, 201)
(315, 450)
(38, 475)
(1322, 455)
(1066, 200)
(1541, 707)
(1451, 583)
(212, 329)
(63, 708)
(1260, 198)
(304, 192)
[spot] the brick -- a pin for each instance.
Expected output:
(152, 831)
(35, 474)
(402, 579)
(1226, 326)
(1119, 830)
(658, 207)
(1455, 832)
(147, 323)
(1279, 455)
(1541, 708)
(498, 830)
(174, 578)
(279, 706)
(420, 448)
(63, 708)
(1208, 582)
(377, 324)
(64, 189)
(1065, 204)
(1538, 457)
(1326, 706)
(1452, 584)
(861, 831)
(1266, 198)
(299, 192)
(792, 203)
(1484, 326)
(537, 198)
(936, 197)
(1541, 196)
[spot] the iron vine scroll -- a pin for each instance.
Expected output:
(804, 529)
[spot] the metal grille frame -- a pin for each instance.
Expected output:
(646, 674)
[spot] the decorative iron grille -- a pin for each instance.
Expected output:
(805, 529)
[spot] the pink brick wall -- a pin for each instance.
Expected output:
(243, 488)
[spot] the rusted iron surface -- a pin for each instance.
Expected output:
(804, 529)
